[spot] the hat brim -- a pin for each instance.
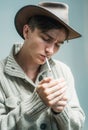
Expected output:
(26, 12)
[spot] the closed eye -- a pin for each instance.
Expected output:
(46, 38)
(59, 44)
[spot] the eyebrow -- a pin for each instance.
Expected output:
(62, 42)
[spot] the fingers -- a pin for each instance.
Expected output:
(49, 82)
(58, 107)
(52, 92)
(45, 80)
(46, 84)
(55, 100)
(58, 88)
(51, 87)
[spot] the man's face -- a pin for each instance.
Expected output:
(40, 45)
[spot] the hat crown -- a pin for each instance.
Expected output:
(57, 8)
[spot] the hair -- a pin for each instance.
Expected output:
(45, 23)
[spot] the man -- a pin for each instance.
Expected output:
(36, 91)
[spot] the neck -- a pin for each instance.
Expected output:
(31, 69)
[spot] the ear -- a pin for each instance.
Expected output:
(26, 30)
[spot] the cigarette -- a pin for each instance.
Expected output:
(48, 64)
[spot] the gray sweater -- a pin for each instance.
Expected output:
(22, 109)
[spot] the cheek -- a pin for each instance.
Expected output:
(36, 47)
(36, 43)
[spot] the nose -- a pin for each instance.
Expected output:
(50, 49)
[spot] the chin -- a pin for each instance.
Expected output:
(41, 62)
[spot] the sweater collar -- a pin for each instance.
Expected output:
(12, 67)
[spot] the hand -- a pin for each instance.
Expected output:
(60, 105)
(52, 92)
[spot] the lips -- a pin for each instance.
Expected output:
(43, 57)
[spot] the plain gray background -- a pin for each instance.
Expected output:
(74, 53)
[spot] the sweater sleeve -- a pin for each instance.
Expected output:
(72, 117)
(21, 115)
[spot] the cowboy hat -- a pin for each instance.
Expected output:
(56, 10)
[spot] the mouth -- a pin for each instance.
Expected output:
(42, 57)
